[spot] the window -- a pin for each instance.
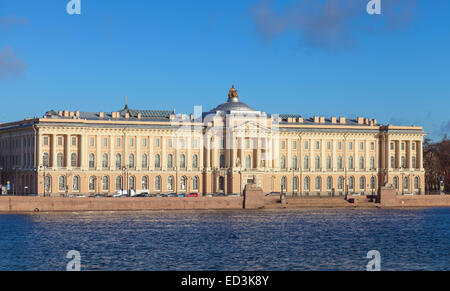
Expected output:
(91, 183)
(91, 141)
(351, 183)
(222, 161)
(195, 143)
(105, 161)
(105, 142)
(46, 140)
(74, 141)
(403, 162)
(105, 183)
(247, 143)
(195, 183)
(395, 182)
(362, 183)
(361, 163)
(340, 145)
(372, 163)
(414, 162)
(221, 183)
(317, 162)
(372, 183)
(248, 162)
(157, 161)
(131, 161)
(157, 142)
(306, 145)
(283, 183)
(361, 145)
(182, 161)
(46, 160)
(340, 185)
(403, 146)
(132, 183)
(183, 183)
(350, 162)
(74, 160)
(329, 162)
(144, 183)
(144, 142)
(182, 144)
(195, 161)
(416, 183)
(350, 145)
(339, 162)
(47, 184)
(294, 162)
(295, 183)
(170, 183)
(329, 183)
(76, 183)
(392, 146)
(372, 146)
(91, 161)
(413, 146)
(62, 183)
(60, 140)
(158, 183)
(118, 161)
(170, 161)
(318, 183)
(392, 162)
(144, 161)
(283, 145)
(294, 145)
(306, 162)
(317, 145)
(306, 184)
(283, 162)
(131, 141)
(60, 161)
(118, 142)
(118, 183)
(406, 183)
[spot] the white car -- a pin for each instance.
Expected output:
(356, 194)
(408, 194)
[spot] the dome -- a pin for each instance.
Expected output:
(233, 103)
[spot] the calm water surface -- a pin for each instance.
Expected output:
(413, 239)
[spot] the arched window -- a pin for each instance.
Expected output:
(182, 161)
(62, 183)
(372, 183)
(306, 184)
(396, 183)
(362, 183)
(294, 162)
(157, 161)
(283, 162)
(105, 183)
(295, 183)
(195, 183)
(350, 162)
(158, 183)
(195, 162)
(118, 161)
(372, 163)
(170, 161)
(105, 161)
(340, 185)
(403, 162)
(317, 162)
(170, 183)
(406, 183)
(222, 161)
(318, 183)
(131, 161)
(46, 160)
(339, 162)
(329, 162)
(47, 183)
(351, 183)
(248, 162)
(132, 183)
(283, 183)
(118, 182)
(74, 160)
(183, 183)
(60, 161)
(416, 183)
(76, 183)
(361, 163)
(91, 161)
(329, 183)
(144, 161)
(306, 162)
(144, 183)
(91, 183)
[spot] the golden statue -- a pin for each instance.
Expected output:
(233, 93)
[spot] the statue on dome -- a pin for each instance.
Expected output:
(233, 93)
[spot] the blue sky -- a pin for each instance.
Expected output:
(311, 57)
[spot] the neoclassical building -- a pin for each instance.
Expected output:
(218, 151)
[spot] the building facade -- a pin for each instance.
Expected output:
(218, 151)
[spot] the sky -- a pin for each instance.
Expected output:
(308, 57)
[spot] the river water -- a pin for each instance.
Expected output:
(407, 239)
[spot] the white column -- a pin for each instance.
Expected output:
(53, 151)
(67, 152)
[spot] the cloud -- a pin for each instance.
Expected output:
(8, 22)
(329, 24)
(10, 64)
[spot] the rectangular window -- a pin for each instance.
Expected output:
(74, 141)
(182, 143)
(317, 145)
(392, 146)
(283, 145)
(46, 140)
(157, 142)
(195, 143)
(413, 146)
(294, 145)
(361, 145)
(105, 142)
(403, 146)
(372, 146)
(60, 141)
(169, 142)
(118, 142)
(144, 142)
(329, 145)
(306, 145)
(340, 145)
(350, 145)
(91, 142)
(247, 142)
(131, 142)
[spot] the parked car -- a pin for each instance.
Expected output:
(209, 195)
(172, 195)
(180, 195)
(408, 194)
(77, 196)
(234, 195)
(192, 195)
(142, 195)
(274, 194)
(100, 195)
(356, 194)
(164, 195)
